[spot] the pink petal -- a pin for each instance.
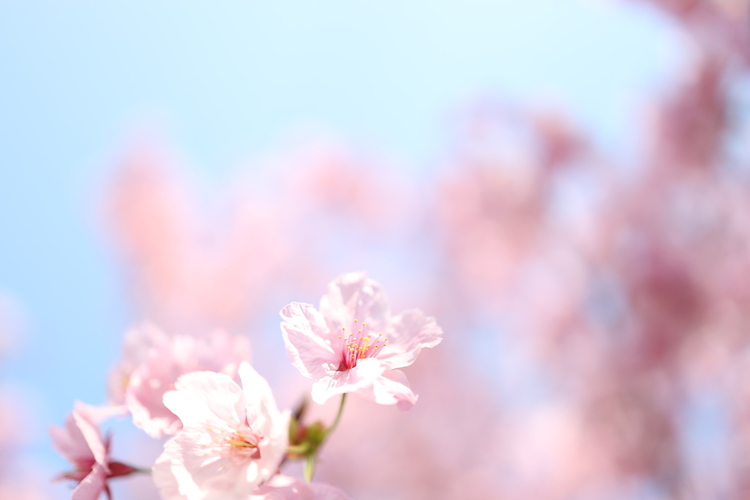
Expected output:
(408, 333)
(165, 362)
(188, 470)
(99, 414)
(358, 379)
(69, 441)
(215, 473)
(393, 388)
(257, 392)
(306, 337)
(80, 440)
(92, 485)
(145, 395)
(185, 471)
(354, 296)
(91, 433)
(138, 343)
(203, 398)
(265, 417)
(292, 488)
(171, 477)
(327, 492)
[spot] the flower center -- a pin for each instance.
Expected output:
(358, 343)
(239, 445)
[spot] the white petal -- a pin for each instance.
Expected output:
(171, 477)
(354, 296)
(204, 398)
(407, 334)
(359, 378)
(306, 337)
(392, 388)
(256, 389)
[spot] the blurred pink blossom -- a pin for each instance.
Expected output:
(595, 299)
(192, 270)
(151, 363)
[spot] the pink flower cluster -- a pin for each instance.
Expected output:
(229, 440)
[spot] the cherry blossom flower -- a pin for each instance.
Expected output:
(82, 444)
(292, 488)
(353, 344)
(233, 438)
(152, 361)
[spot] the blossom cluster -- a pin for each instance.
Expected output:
(227, 437)
(600, 305)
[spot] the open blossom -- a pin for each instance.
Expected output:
(292, 488)
(232, 441)
(353, 344)
(82, 444)
(151, 363)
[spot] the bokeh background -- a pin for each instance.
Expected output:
(562, 184)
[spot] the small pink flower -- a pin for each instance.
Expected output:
(81, 443)
(232, 441)
(353, 344)
(292, 488)
(151, 363)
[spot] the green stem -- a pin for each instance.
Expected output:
(310, 460)
(309, 468)
(338, 416)
(298, 449)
